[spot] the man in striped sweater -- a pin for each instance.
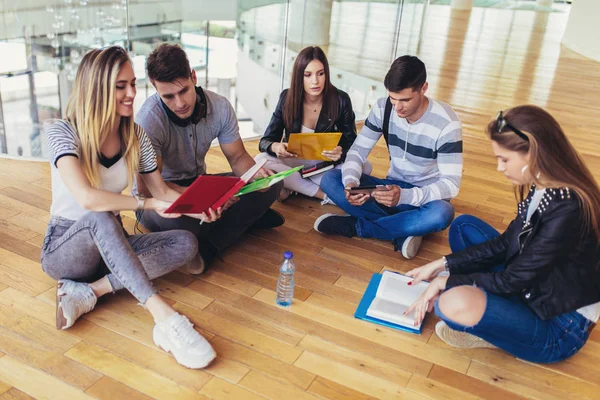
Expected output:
(425, 144)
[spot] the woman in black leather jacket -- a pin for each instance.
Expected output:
(312, 104)
(533, 291)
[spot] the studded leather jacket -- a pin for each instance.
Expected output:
(549, 262)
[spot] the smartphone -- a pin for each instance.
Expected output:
(367, 189)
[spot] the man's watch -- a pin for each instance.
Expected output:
(141, 200)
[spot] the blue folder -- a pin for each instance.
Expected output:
(365, 303)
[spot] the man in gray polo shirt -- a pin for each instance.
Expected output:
(181, 121)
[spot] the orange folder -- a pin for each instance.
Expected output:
(309, 146)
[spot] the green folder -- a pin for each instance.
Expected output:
(267, 182)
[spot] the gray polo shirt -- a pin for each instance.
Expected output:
(183, 149)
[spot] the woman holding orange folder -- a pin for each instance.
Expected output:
(311, 104)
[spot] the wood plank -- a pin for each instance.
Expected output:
(350, 377)
(384, 336)
(150, 358)
(16, 231)
(527, 386)
(29, 223)
(25, 266)
(474, 386)
(304, 324)
(325, 388)
(240, 334)
(35, 383)
(144, 381)
(109, 389)
(285, 334)
(22, 207)
(222, 390)
(3, 386)
(258, 361)
(20, 247)
(181, 294)
(353, 359)
(27, 198)
(273, 388)
(15, 394)
(22, 282)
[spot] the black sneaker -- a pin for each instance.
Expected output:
(270, 219)
(333, 224)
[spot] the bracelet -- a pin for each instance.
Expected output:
(141, 201)
(445, 263)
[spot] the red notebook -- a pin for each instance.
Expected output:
(210, 191)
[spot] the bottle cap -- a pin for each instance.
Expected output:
(288, 255)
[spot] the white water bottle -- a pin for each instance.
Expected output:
(285, 283)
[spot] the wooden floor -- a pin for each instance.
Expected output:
(315, 349)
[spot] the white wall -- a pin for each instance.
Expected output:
(258, 91)
(583, 29)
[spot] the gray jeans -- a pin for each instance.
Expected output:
(96, 245)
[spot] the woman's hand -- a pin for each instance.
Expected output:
(159, 206)
(427, 271)
(280, 150)
(333, 155)
(425, 302)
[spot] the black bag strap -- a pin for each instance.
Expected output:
(386, 120)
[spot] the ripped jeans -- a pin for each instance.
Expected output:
(507, 322)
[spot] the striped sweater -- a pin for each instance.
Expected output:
(426, 153)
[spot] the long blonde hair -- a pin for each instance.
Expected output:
(551, 157)
(91, 111)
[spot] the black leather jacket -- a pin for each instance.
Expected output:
(549, 264)
(344, 123)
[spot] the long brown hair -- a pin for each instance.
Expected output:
(295, 97)
(91, 111)
(552, 158)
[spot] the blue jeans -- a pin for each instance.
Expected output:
(96, 246)
(388, 223)
(507, 322)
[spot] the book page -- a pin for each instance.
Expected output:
(391, 312)
(394, 287)
(393, 297)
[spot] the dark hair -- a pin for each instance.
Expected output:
(405, 72)
(551, 157)
(167, 63)
(295, 97)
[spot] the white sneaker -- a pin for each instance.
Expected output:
(195, 267)
(73, 299)
(459, 339)
(177, 335)
(327, 200)
(411, 246)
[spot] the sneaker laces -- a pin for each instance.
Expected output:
(184, 330)
(82, 297)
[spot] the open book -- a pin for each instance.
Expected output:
(267, 182)
(387, 297)
(211, 191)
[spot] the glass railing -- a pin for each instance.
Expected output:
(242, 49)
